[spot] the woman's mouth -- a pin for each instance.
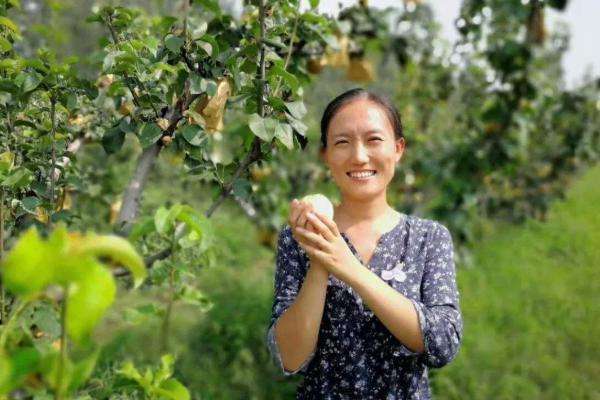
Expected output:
(361, 176)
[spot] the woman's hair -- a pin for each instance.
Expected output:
(356, 94)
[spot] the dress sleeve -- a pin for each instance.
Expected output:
(289, 276)
(438, 311)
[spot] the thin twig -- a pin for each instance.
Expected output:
(289, 54)
(53, 168)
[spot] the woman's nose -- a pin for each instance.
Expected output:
(360, 154)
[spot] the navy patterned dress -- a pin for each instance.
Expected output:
(356, 356)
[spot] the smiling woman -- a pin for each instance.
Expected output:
(367, 301)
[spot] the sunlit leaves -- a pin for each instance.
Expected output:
(157, 383)
(193, 134)
(174, 43)
(31, 264)
(264, 128)
(149, 134)
(4, 21)
(71, 261)
(113, 247)
(89, 298)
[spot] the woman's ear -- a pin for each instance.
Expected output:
(399, 149)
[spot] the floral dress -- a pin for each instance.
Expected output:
(356, 356)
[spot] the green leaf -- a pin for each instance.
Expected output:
(113, 140)
(149, 134)
(14, 368)
(7, 160)
(152, 44)
(166, 368)
(211, 5)
(18, 178)
(5, 45)
(6, 383)
(161, 221)
(196, 221)
(82, 370)
(264, 128)
(114, 247)
(314, 3)
(290, 79)
(88, 300)
(297, 109)
(141, 228)
(174, 43)
(284, 133)
(30, 203)
(196, 84)
(214, 45)
(242, 188)
(129, 371)
(31, 82)
(10, 25)
(30, 265)
(173, 389)
(298, 125)
(193, 134)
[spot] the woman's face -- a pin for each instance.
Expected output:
(360, 137)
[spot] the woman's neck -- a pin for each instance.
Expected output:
(376, 215)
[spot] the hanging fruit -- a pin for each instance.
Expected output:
(339, 58)
(64, 200)
(212, 109)
(315, 65)
(41, 214)
(360, 70)
(126, 108)
(259, 173)
(536, 29)
(166, 140)
(163, 123)
(115, 207)
(105, 81)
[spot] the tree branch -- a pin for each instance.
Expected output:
(133, 192)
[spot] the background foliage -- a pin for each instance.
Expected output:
(187, 128)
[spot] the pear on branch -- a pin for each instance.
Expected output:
(259, 173)
(212, 109)
(105, 81)
(126, 108)
(339, 58)
(315, 65)
(115, 207)
(360, 70)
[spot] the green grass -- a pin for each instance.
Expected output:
(529, 304)
(530, 307)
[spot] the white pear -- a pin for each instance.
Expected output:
(321, 204)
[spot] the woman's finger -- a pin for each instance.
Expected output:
(302, 219)
(313, 238)
(331, 225)
(318, 221)
(300, 209)
(295, 211)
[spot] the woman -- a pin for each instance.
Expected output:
(366, 303)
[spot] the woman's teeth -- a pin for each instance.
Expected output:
(362, 175)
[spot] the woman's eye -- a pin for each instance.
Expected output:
(376, 138)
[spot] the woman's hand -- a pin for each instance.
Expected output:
(298, 215)
(327, 246)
